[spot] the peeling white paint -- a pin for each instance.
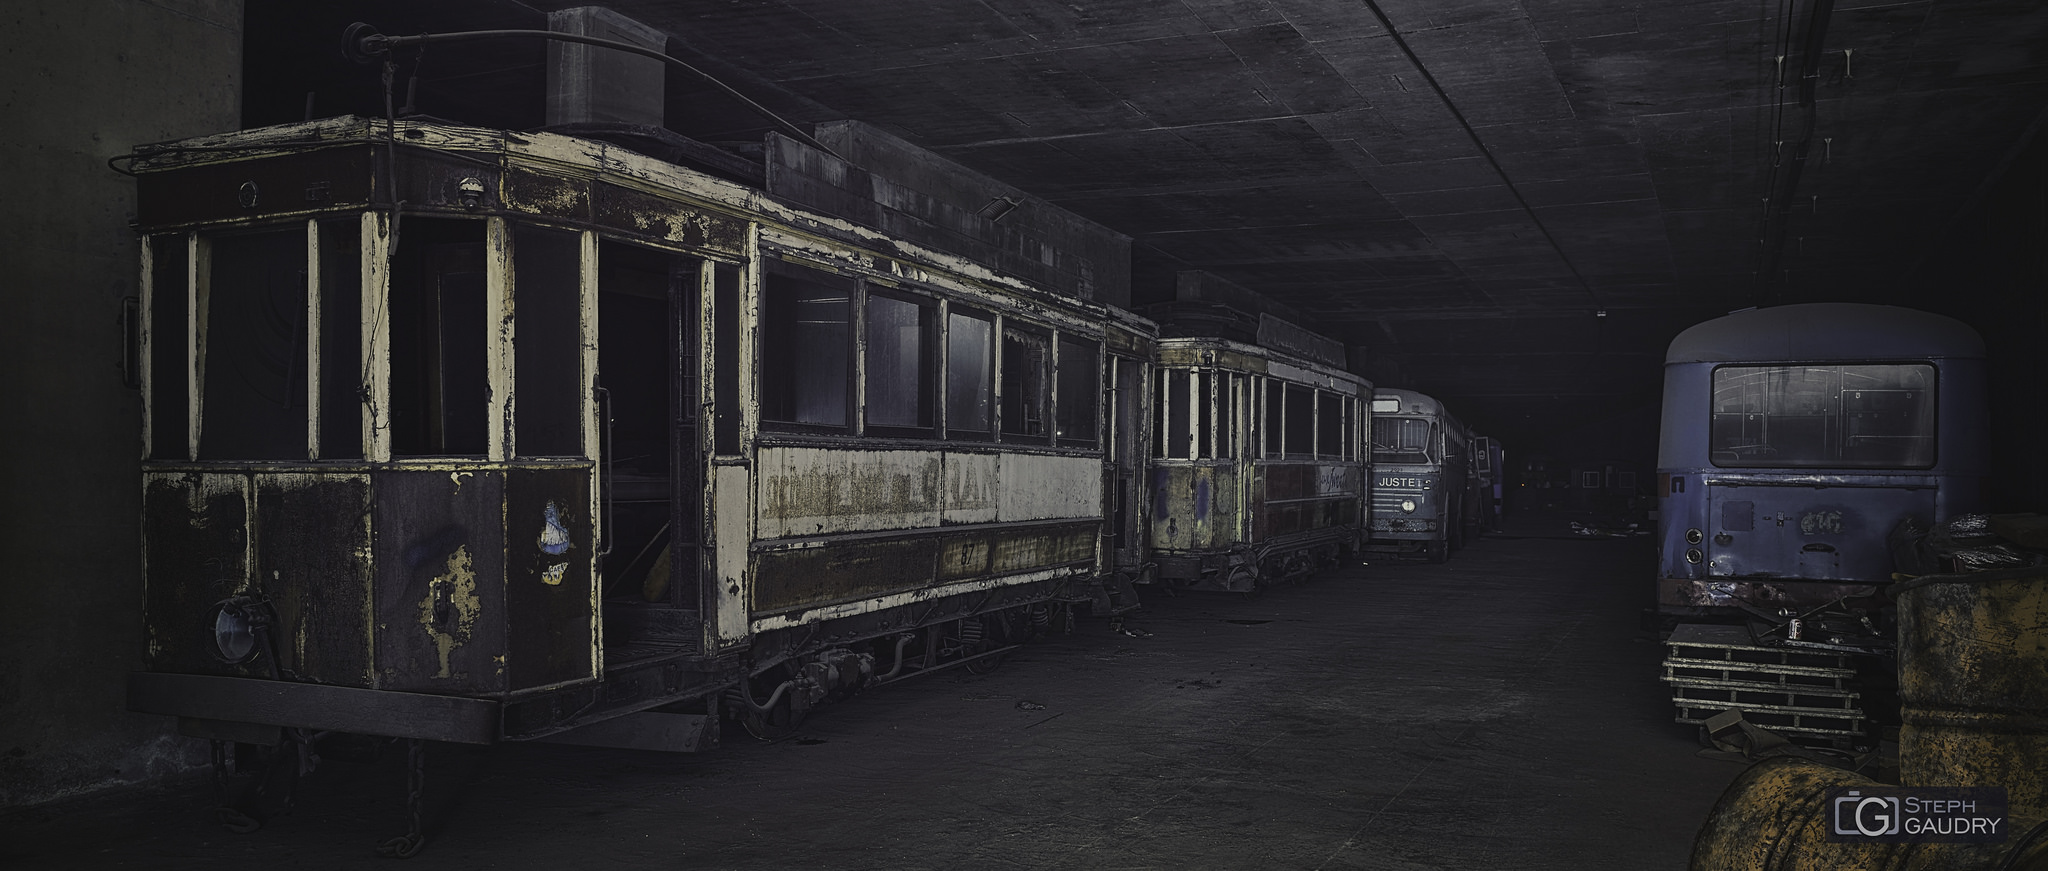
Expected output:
(848, 609)
(1048, 487)
(823, 491)
(552, 575)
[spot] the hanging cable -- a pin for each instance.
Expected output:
(1592, 295)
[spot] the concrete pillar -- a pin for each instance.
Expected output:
(81, 82)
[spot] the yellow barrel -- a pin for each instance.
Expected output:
(1774, 818)
(1973, 682)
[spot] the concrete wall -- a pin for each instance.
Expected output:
(82, 81)
(1991, 271)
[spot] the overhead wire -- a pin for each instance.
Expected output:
(1470, 133)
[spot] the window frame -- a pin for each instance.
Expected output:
(929, 365)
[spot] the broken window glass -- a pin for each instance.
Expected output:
(1027, 360)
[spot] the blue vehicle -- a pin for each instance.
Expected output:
(1419, 481)
(1796, 438)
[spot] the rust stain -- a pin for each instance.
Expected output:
(449, 610)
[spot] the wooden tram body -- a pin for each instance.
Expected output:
(1257, 468)
(470, 435)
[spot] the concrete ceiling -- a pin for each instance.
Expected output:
(1463, 187)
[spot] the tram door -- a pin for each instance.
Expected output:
(651, 458)
(1128, 449)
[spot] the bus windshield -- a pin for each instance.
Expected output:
(1870, 416)
(1403, 440)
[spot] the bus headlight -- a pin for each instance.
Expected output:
(1693, 536)
(1407, 506)
(1693, 555)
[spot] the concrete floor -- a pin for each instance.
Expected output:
(1502, 711)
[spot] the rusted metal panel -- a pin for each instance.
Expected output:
(825, 491)
(282, 184)
(195, 541)
(646, 215)
(550, 588)
(440, 557)
(1186, 352)
(964, 554)
(313, 564)
(970, 494)
(1018, 550)
(841, 571)
(1047, 487)
(1196, 507)
(549, 194)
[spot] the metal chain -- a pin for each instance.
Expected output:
(405, 846)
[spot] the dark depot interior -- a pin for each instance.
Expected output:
(1204, 434)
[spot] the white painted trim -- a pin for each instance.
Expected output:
(313, 339)
(498, 303)
(376, 335)
(867, 606)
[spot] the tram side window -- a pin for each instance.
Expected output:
(1301, 421)
(901, 362)
(970, 380)
(1869, 416)
(439, 383)
(168, 379)
(1170, 425)
(806, 346)
(252, 356)
(1079, 390)
(1027, 360)
(1205, 411)
(341, 339)
(1276, 416)
(547, 297)
(1329, 424)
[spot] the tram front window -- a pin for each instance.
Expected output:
(1401, 439)
(1850, 416)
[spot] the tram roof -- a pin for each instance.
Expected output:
(1825, 331)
